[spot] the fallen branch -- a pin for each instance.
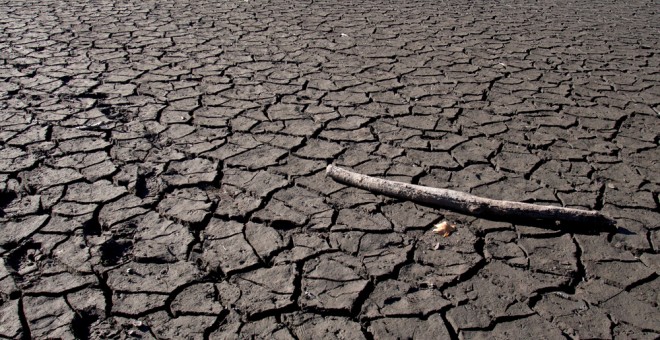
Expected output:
(464, 202)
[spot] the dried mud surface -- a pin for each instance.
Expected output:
(162, 168)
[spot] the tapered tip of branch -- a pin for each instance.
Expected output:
(329, 168)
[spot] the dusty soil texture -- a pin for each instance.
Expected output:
(162, 168)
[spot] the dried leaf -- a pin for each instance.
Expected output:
(444, 228)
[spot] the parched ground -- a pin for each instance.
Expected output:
(162, 168)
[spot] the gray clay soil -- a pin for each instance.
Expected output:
(162, 168)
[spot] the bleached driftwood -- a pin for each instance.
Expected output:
(464, 202)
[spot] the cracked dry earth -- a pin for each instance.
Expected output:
(162, 168)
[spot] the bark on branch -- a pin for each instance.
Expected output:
(464, 202)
